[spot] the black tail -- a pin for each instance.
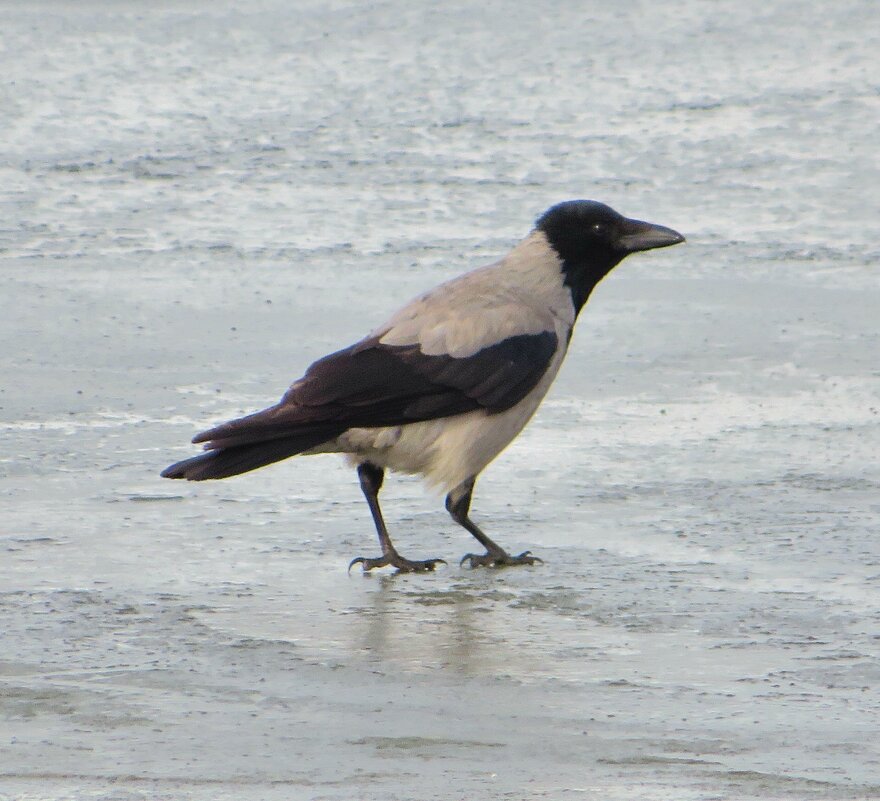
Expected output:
(230, 461)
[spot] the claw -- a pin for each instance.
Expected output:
(355, 561)
(528, 559)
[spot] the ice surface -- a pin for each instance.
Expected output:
(198, 199)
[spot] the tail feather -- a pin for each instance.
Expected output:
(276, 422)
(231, 461)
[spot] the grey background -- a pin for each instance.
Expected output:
(198, 199)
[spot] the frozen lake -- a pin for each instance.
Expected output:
(199, 199)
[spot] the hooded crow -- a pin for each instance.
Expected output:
(442, 387)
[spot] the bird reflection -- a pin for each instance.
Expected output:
(421, 628)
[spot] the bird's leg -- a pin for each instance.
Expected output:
(371, 478)
(458, 503)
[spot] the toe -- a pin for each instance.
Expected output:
(526, 558)
(422, 566)
(367, 564)
(499, 560)
(396, 561)
(360, 560)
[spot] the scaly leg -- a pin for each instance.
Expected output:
(371, 478)
(458, 504)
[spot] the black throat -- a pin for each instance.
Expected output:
(582, 271)
(581, 279)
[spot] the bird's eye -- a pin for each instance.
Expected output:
(598, 228)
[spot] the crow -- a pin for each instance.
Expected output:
(447, 382)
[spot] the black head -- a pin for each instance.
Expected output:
(591, 239)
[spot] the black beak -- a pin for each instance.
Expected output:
(637, 235)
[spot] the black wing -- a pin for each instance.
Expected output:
(373, 385)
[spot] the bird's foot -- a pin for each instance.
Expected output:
(499, 558)
(395, 560)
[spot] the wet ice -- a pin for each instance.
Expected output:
(200, 201)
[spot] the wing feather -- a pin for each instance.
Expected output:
(371, 384)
